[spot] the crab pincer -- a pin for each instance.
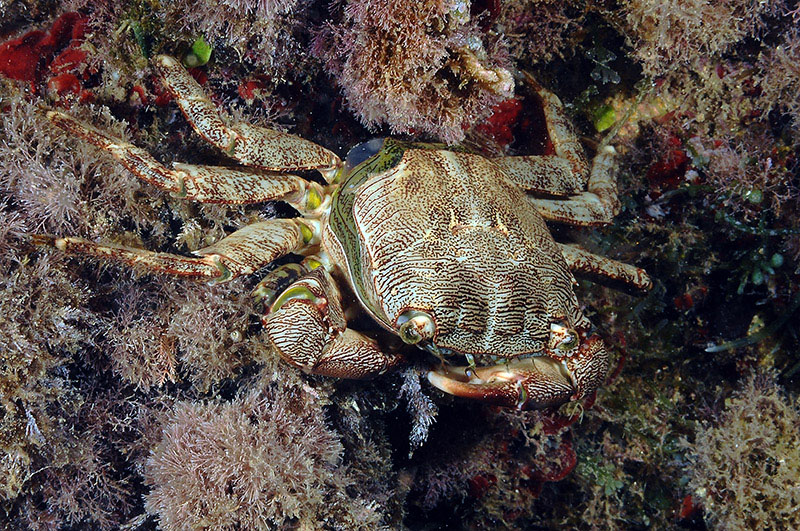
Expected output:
(532, 382)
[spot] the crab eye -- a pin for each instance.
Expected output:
(409, 334)
(415, 326)
(562, 337)
(569, 342)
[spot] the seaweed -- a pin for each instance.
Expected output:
(130, 400)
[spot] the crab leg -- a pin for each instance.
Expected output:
(565, 143)
(563, 173)
(597, 206)
(307, 327)
(582, 261)
(207, 184)
(240, 253)
(267, 149)
(547, 174)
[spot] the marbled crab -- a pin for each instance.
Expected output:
(446, 249)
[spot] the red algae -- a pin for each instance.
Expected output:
(53, 56)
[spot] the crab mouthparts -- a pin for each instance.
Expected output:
(529, 383)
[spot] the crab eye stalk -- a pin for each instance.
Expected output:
(415, 326)
(563, 338)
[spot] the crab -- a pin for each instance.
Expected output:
(446, 249)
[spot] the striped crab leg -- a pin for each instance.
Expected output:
(583, 262)
(565, 171)
(585, 202)
(596, 206)
(258, 147)
(240, 253)
(206, 184)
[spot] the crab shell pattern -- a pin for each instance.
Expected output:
(446, 249)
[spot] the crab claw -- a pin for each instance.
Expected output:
(530, 383)
(588, 365)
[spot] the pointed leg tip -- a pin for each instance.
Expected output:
(60, 119)
(166, 61)
(43, 239)
(609, 150)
